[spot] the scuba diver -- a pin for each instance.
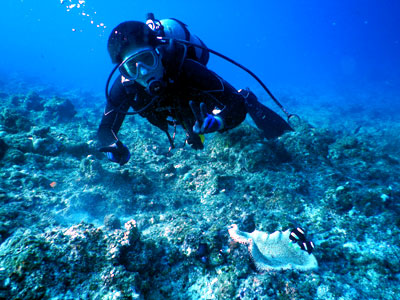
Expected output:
(163, 77)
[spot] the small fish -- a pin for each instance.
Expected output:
(297, 236)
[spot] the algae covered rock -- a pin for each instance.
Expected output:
(139, 180)
(39, 140)
(79, 149)
(308, 144)
(34, 102)
(161, 220)
(13, 214)
(59, 109)
(36, 262)
(112, 222)
(346, 147)
(3, 148)
(14, 156)
(14, 121)
(91, 169)
(47, 146)
(72, 262)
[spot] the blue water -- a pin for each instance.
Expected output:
(298, 43)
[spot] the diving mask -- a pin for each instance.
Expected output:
(145, 68)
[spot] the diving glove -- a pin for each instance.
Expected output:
(205, 122)
(117, 153)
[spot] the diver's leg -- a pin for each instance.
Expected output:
(271, 124)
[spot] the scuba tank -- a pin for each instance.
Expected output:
(175, 29)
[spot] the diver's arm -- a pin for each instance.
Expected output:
(113, 116)
(233, 108)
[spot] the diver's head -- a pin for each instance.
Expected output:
(144, 66)
(133, 45)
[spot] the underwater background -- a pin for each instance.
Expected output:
(75, 226)
(335, 45)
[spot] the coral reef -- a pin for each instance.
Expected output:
(75, 226)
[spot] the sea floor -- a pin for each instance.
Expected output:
(75, 226)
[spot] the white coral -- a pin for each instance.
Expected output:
(274, 251)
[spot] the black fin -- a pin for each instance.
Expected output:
(293, 238)
(267, 120)
(310, 247)
(307, 246)
(297, 234)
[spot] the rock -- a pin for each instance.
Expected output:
(340, 183)
(40, 131)
(34, 102)
(309, 145)
(3, 148)
(14, 156)
(59, 109)
(14, 122)
(91, 169)
(112, 222)
(46, 146)
(78, 149)
(247, 223)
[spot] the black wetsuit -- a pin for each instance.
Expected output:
(187, 80)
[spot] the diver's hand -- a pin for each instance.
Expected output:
(205, 122)
(117, 153)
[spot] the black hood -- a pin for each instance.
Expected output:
(128, 36)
